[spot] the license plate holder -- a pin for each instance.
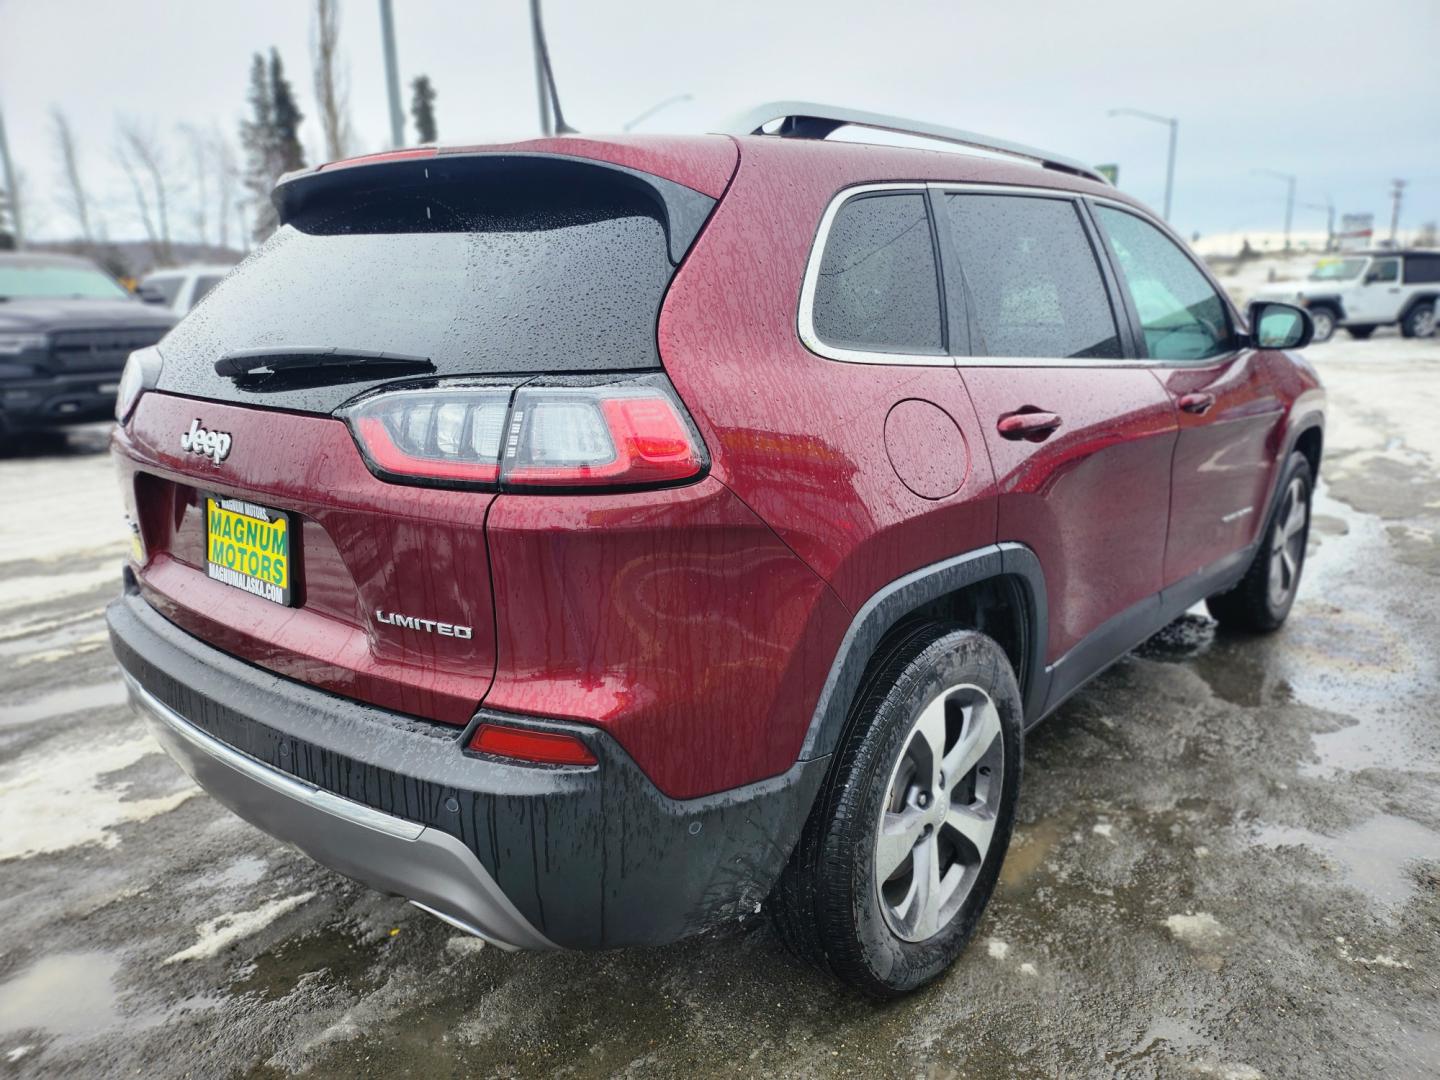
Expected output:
(250, 547)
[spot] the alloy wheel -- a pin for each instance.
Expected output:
(1287, 545)
(940, 812)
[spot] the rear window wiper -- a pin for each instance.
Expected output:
(318, 363)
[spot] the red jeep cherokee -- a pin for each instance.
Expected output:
(591, 540)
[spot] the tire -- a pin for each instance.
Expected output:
(1360, 333)
(1262, 600)
(938, 686)
(1325, 320)
(1419, 321)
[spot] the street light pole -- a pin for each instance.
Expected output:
(1289, 197)
(392, 76)
(1329, 207)
(653, 109)
(1173, 124)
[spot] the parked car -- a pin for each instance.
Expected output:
(697, 525)
(182, 288)
(1365, 289)
(66, 328)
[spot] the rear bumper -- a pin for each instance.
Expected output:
(524, 856)
(429, 867)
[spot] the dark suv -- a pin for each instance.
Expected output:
(592, 540)
(66, 328)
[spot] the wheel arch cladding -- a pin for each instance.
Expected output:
(1001, 587)
(1310, 442)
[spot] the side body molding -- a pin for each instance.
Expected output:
(884, 610)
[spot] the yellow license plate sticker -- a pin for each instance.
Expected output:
(249, 547)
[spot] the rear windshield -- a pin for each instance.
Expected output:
(504, 273)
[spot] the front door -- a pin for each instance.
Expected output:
(1377, 299)
(1230, 415)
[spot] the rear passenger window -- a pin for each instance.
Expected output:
(1181, 314)
(877, 289)
(1422, 269)
(1035, 287)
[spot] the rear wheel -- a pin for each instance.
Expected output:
(1360, 332)
(1419, 321)
(904, 844)
(1324, 320)
(1266, 593)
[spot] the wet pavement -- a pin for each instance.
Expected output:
(1227, 864)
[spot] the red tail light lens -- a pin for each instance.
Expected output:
(543, 747)
(561, 434)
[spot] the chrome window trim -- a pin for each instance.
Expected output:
(805, 323)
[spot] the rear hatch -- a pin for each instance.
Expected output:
(385, 283)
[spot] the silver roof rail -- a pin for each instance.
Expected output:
(808, 120)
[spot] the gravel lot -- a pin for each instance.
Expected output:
(1227, 865)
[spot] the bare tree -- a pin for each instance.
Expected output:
(198, 145)
(332, 83)
(143, 159)
(73, 197)
(227, 175)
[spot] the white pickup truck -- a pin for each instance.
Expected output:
(1361, 290)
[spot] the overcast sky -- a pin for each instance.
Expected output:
(1345, 95)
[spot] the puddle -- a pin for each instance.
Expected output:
(73, 699)
(344, 960)
(1375, 856)
(1029, 848)
(68, 994)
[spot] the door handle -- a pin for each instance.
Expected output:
(1034, 426)
(1197, 403)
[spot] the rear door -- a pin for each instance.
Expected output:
(1229, 412)
(1080, 436)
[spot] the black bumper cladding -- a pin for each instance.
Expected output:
(524, 856)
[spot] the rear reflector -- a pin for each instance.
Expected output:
(580, 433)
(543, 747)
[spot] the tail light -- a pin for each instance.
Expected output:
(579, 433)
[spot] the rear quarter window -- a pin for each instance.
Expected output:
(877, 289)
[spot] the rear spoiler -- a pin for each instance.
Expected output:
(682, 209)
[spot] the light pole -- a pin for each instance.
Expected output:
(1289, 197)
(1329, 207)
(1174, 125)
(653, 109)
(392, 76)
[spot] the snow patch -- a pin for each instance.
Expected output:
(55, 798)
(1028, 968)
(1103, 829)
(1195, 929)
(17, 1053)
(464, 945)
(223, 930)
(998, 949)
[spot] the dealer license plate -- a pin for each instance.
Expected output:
(249, 547)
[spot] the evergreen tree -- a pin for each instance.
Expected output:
(422, 108)
(270, 137)
(288, 150)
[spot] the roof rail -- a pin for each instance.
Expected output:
(808, 120)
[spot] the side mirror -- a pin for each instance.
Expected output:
(1280, 326)
(150, 294)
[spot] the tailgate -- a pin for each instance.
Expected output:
(363, 552)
